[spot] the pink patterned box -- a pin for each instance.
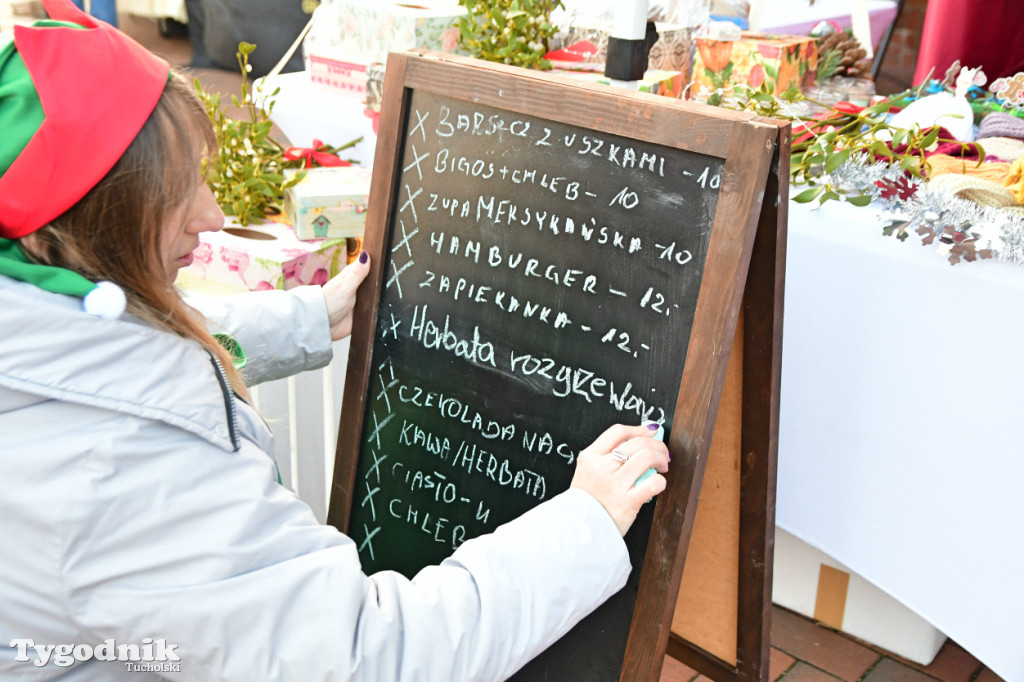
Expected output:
(347, 36)
(257, 257)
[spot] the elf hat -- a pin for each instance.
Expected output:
(73, 96)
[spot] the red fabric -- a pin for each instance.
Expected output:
(951, 147)
(577, 52)
(97, 87)
(986, 34)
(311, 154)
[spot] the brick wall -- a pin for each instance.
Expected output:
(897, 70)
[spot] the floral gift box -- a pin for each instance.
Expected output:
(753, 60)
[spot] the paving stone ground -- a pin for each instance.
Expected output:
(804, 651)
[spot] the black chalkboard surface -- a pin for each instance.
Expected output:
(548, 260)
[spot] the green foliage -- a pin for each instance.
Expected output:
(822, 144)
(247, 172)
(828, 64)
(508, 31)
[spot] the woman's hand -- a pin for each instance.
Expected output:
(340, 294)
(601, 472)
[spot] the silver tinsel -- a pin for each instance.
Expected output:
(910, 205)
(962, 229)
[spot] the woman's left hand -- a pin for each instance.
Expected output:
(340, 294)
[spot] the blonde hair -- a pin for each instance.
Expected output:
(114, 231)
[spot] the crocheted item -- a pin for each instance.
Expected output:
(1002, 148)
(942, 164)
(979, 191)
(1015, 180)
(998, 124)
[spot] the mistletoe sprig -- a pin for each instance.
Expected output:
(246, 174)
(508, 31)
(823, 143)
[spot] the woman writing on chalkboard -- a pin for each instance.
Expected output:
(141, 509)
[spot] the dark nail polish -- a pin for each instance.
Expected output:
(653, 426)
(363, 256)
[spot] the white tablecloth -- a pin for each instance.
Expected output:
(900, 446)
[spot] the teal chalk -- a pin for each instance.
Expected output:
(660, 435)
(643, 477)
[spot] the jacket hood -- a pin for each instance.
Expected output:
(52, 350)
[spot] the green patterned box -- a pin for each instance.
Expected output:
(328, 202)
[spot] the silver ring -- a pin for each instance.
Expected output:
(619, 456)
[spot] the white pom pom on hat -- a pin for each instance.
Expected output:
(107, 300)
(103, 299)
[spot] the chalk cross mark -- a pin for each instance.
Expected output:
(378, 426)
(409, 203)
(377, 461)
(406, 236)
(396, 273)
(367, 543)
(416, 162)
(368, 498)
(419, 125)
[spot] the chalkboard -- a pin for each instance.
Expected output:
(549, 258)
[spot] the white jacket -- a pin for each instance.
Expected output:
(133, 508)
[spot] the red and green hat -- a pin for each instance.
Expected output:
(74, 93)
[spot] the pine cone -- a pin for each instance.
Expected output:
(840, 54)
(861, 69)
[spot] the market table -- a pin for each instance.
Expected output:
(900, 432)
(902, 391)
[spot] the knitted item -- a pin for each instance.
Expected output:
(982, 192)
(942, 164)
(998, 124)
(1015, 180)
(1002, 148)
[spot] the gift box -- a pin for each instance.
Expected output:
(780, 61)
(655, 81)
(809, 582)
(348, 36)
(672, 52)
(257, 257)
(328, 203)
(337, 75)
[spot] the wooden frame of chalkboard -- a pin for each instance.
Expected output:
(570, 222)
(750, 453)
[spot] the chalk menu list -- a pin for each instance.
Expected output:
(539, 285)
